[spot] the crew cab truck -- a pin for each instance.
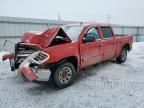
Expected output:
(60, 52)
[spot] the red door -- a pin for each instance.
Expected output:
(91, 52)
(109, 46)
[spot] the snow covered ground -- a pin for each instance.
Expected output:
(106, 85)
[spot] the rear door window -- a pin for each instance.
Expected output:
(107, 32)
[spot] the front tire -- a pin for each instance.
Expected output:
(123, 56)
(64, 75)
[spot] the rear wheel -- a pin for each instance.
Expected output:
(64, 75)
(123, 56)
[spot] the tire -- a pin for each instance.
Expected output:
(64, 75)
(123, 56)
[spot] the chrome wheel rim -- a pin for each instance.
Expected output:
(65, 75)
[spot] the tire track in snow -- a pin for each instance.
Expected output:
(110, 84)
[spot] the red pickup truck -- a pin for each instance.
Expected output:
(60, 52)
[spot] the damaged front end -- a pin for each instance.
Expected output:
(29, 68)
(27, 60)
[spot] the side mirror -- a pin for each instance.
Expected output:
(89, 38)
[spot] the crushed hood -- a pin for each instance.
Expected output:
(43, 38)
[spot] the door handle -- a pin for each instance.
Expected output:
(100, 45)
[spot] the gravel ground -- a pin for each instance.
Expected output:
(106, 85)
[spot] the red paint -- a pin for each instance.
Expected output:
(28, 73)
(44, 39)
(8, 56)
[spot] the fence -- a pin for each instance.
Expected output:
(12, 28)
(137, 32)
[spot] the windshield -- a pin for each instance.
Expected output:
(73, 31)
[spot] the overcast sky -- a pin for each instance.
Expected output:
(128, 12)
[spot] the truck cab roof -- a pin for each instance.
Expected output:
(88, 24)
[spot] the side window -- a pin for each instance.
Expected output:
(107, 32)
(94, 31)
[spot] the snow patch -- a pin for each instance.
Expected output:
(106, 85)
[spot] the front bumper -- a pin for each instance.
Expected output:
(40, 75)
(26, 70)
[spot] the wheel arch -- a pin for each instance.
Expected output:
(71, 59)
(127, 46)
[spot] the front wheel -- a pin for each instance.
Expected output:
(123, 56)
(64, 75)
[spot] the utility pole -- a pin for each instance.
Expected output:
(59, 17)
(108, 18)
(137, 35)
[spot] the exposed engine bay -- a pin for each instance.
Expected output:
(22, 51)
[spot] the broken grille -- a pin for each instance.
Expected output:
(39, 57)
